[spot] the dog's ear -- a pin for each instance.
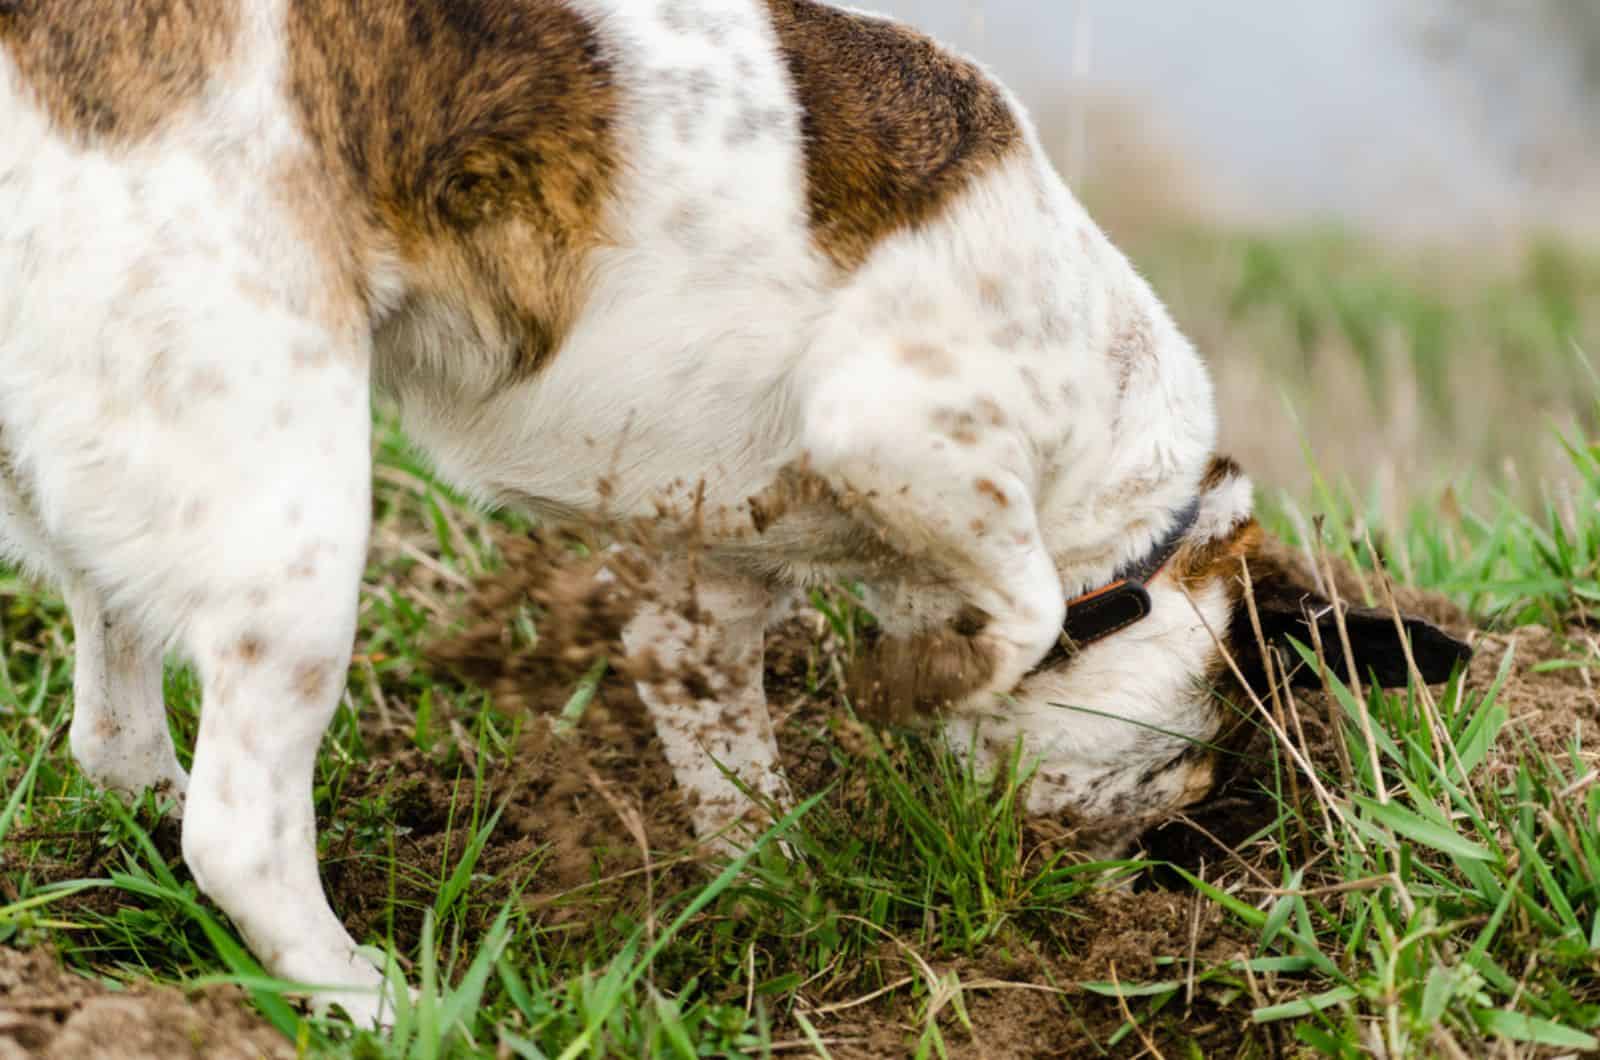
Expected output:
(1287, 603)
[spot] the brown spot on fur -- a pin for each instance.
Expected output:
(960, 427)
(250, 648)
(117, 71)
(1219, 471)
(893, 125)
(992, 491)
(992, 291)
(311, 678)
(476, 138)
(1008, 337)
(304, 566)
(930, 360)
(1132, 346)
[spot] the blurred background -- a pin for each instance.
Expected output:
(1379, 219)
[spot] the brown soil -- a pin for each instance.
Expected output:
(48, 1012)
(586, 811)
(1544, 706)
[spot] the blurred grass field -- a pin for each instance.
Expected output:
(1431, 890)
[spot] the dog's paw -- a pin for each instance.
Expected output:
(364, 994)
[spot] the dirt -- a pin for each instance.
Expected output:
(584, 812)
(48, 1012)
(1545, 707)
(1026, 1002)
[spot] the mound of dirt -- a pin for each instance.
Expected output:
(48, 1012)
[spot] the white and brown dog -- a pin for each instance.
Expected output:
(802, 257)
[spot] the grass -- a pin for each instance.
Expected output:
(1433, 890)
(1445, 362)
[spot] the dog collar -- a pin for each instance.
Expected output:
(1124, 600)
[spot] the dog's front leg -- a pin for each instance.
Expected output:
(697, 648)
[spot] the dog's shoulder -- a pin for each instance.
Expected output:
(894, 124)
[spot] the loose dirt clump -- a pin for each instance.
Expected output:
(48, 1012)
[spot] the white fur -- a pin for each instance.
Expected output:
(185, 445)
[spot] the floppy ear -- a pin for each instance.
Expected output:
(1379, 654)
(1287, 603)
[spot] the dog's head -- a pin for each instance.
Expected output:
(1142, 715)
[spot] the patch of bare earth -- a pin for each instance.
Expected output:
(1022, 997)
(46, 1011)
(593, 822)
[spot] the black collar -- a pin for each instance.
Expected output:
(1124, 600)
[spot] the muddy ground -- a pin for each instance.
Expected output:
(574, 803)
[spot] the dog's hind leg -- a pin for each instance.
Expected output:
(220, 493)
(185, 401)
(119, 733)
(271, 639)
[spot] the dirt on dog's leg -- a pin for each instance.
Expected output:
(119, 732)
(697, 648)
(961, 510)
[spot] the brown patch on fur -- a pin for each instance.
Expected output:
(310, 678)
(932, 361)
(250, 648)
(1132, 345)
(993, 492)
(1218, 471)
(894, 126)
(959, 427)
(117, 70)
(1197, 563)
(991, 411)
(476, 137)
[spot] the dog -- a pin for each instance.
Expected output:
(803, 258)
